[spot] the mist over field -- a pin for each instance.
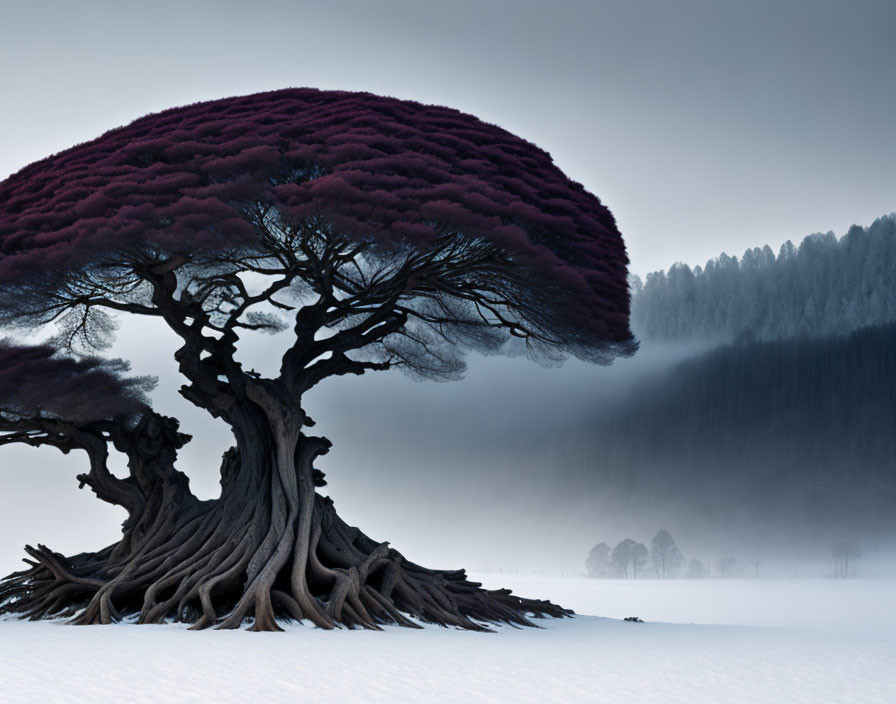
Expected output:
(523, 468)
(488, 456)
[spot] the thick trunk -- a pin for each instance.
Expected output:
(270, 547)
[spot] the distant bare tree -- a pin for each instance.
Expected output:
(639, 558)
(697, 570)
(622, 557)
(842, 553)
(664, 554)
(598, 562)
(727, 567)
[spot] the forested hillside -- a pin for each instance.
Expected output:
(802, 428)
(825, 286)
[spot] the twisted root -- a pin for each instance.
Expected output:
(208, 570)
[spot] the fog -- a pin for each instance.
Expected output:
(445, 471)
(516, 467)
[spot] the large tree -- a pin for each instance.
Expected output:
(379, 234)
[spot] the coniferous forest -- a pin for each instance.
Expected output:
(787, 411)
(826, 286)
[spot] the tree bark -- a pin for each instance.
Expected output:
(268, 548)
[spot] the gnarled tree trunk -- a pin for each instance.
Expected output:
(269, 547)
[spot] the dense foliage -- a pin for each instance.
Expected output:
(38, 382)
(276, 174)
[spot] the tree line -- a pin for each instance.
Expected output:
(633, 559)
(663, 560)
(822, 287)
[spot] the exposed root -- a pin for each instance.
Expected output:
(199, 572)
(270, 548)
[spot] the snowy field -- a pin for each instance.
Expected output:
(703, 641)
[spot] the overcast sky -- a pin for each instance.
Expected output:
(704, 126)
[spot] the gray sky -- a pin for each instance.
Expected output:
(704, 126)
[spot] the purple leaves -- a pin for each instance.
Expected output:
(372, 168)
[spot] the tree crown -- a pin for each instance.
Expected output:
(36, 382)
(413, 231)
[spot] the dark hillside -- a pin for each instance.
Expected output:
(801, 429)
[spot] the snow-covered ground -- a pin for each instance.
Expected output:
(703, 641)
